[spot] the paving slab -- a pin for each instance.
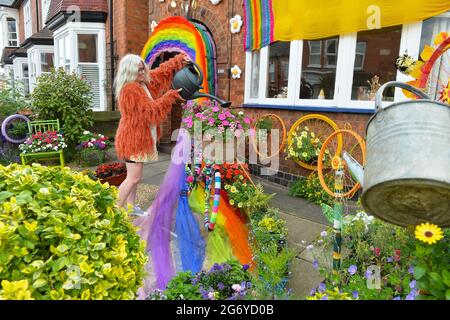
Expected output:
(303, 278)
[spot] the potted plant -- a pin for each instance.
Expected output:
(113, 173)
(93, 148)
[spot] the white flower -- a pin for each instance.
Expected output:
(323, 234)
(236, 72)
(56, 148)
(236, 287)
(49, 146)
(310, 247)
(303, 242)
(44, 190)
(86, 132)
(153, 25)
(241, 113)
(236, 24)
(320, 241)
(93, 140)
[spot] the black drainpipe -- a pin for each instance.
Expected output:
(37, 16)
(112, 54)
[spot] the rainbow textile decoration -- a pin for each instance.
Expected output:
(176, 34)
(267, 21)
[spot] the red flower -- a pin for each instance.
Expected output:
(377, 251)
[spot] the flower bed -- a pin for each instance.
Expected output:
(384, 262)
(93, 148)
(113, 173)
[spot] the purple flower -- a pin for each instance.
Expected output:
(322, 287)
(315, 264)
(355, 294)
(411, 296)
(368, 274)
(390, 259)
(412, 284)
(312, 292)
(397, 298)
(220, 286)
(324, 298)
(352, 269)
(245, 267)
(411, 270)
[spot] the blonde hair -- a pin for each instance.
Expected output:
(128, 71)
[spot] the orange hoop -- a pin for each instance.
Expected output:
(253, 138)
(320, 164)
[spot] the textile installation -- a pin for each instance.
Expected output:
(267, 21)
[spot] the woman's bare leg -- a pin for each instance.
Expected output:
(134, 175)
(132, 196)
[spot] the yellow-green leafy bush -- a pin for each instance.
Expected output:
(62, 237)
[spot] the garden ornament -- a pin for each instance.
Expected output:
(190, 79)
(406, 177)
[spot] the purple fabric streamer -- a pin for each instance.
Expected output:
(156, 227)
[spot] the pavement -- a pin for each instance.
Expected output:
(304, 220)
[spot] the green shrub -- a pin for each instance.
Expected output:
(66, 97)
(12, 99)
(62, 237)
(310, 189)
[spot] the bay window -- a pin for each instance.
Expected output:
(40, 61)
(80, 48)
(341, 72)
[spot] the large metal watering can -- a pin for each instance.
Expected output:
(406, 178)
(190, 79)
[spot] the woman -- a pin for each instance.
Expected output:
(145, 100)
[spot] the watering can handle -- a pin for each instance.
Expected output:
(200, 72)
(379, 95)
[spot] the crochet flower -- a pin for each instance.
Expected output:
(236, 72)
(153, 25)
(428, 233)
(236, 24)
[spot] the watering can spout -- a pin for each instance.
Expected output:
(355, 168)
(223, 103)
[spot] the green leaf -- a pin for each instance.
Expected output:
(60, 263)
(5, 195)
(39, 283)
(24, 197)
(447, 295)
(446, 277)
(419, 272)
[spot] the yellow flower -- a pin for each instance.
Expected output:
(232, 202)
(316, 140)
(306, 128)
(227, 187)
(240, 204)
(304, 154)
(233, 189)
(313, 134)
(428, 233)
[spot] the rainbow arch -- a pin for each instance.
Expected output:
(177, 34)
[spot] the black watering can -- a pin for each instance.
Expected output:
(190, 79)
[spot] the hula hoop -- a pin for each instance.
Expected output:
(7, 121)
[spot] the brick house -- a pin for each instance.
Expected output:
(290, 79)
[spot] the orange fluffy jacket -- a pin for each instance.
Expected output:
(139, 112)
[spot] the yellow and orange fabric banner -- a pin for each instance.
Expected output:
(267, 21)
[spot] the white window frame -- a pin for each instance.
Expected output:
(327, 54)
(18, 71)
(35, 63)
(314, 65)
(362, 54)
(45, 6)
(410, 42)
(71, 30)
(16, 39)
(27, 21)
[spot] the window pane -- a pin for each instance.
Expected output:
(319, 69)
(440, 72)
(11, 25)
(277, 85)
(87, 48)
(46, 62)
(254, 86)
(374, 63)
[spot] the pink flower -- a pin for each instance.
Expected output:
(225, 123)
(216, 109)
(228, 114)
(190, 179)
(377, 251)
(199, 115)
(247, 120)
(222, 117)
